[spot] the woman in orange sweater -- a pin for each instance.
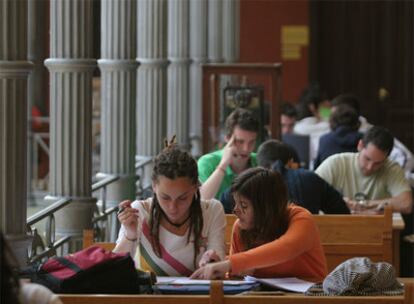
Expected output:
(271, 237)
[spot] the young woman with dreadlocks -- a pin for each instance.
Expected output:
(174, 232)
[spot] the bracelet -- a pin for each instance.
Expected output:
(221, 169)
(131, 240)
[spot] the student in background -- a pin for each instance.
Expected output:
(218, 169)
(175, 231)
(313, 112)
(399, 153)
(368, 179)
(288, 118)
(344, 135)
(14, 292)
(271, 238)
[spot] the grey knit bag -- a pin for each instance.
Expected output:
(359, 277)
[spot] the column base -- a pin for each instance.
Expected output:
(73, 219)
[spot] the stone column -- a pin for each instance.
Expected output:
(151, 79)
(198, 55)
(178, 105)
(71, 66)
(118, 90)
(231, 30)
(14, 72)
(215, 30)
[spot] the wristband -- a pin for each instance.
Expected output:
(221, 169)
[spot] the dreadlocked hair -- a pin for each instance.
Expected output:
(174, 163)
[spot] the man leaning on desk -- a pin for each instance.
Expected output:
(368, 180)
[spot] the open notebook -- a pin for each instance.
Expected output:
(183, 285)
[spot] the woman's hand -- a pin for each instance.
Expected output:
(208, 257)
(212, 271)
(128, 217)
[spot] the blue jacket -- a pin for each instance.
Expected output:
(342, 139)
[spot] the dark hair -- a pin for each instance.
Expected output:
(380, 137)
(174, 163)
(349, 100)
(289, 110)
(345, 116)
(271, 151)
(242, 118)
(311, 95)
(9, 282)
(267, 193)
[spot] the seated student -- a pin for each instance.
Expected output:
(344, 136)
(288, 118)
(305, 188)
(400, 153)
(313, 112)
(174, 231)
(14, 292)
(271, 238)
(218, 169)
(368, 179)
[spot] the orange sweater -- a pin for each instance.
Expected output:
(297, 253)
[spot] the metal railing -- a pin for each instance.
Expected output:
(104, 220)
(48, 245)
(45, 247)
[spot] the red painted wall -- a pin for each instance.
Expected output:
(260, 30)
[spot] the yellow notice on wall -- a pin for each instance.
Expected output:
(295, 34)
(291, 52)
(293, 37)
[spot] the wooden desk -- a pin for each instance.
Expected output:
(216, 297)
(397, 226)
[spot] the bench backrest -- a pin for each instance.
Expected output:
(347, 236)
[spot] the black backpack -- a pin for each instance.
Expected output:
(92, 270)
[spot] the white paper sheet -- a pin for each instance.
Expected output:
(289, 284)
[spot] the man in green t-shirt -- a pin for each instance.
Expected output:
(368, 180)
(217, 170)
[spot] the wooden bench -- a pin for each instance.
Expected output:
(216, 297)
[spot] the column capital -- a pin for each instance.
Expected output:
(70, 65)
(15, 69)
(117, 64)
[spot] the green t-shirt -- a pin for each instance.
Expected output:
(209, 162)
(343, 173)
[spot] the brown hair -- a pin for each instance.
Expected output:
(174, 163)
(267, 193)
(242, 118)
